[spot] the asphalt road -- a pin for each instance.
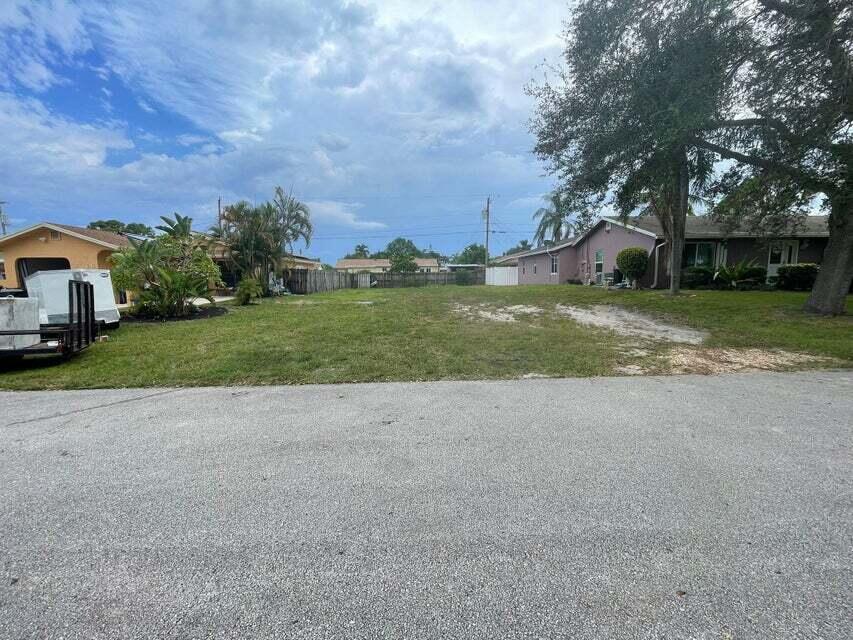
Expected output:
(679, 507)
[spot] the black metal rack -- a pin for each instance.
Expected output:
(66, 339)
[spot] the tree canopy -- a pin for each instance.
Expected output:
(117, 226)
(258, 237)
(472, 254)
(523, 245)
(653, 94)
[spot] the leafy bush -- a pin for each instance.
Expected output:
(742, 276)
(247, 290)
(697, 277)
(797, 277)
(167, 272)
(633, 262)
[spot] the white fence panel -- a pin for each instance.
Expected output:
(502, 276)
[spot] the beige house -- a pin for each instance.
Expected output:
(48, 245)
(381, 265)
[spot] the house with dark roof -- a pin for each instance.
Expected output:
(591, 256)
(48, 245)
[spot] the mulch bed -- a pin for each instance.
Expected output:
(203, 313)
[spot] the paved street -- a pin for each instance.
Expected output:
(680, 507)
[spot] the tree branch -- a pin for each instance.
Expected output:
(769, 165)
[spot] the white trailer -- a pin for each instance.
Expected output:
(21, 314)
(51, 289)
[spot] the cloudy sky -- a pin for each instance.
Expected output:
(389, 118)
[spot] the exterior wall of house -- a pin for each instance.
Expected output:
(566, 265)
(611, 242)
(738, 249)
(39, 244)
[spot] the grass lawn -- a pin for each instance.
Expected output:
(420, 334)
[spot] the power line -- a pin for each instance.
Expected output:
(408, 235)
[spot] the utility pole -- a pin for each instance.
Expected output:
(486, 215)
(219, 211)
(3, 219)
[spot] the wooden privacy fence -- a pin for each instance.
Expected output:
(316, 281)
(395, 280)
(304, 281)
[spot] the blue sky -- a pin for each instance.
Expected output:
(388, 118)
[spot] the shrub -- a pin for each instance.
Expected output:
(797, 277)
(697, 277)
(742, 276)
(633, 262)
(167, 272)
(247, 290)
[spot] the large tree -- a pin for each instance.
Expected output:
(639, 78)
(793, 128)
(472, 254)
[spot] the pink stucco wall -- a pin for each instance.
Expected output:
(566, 265)
(611, 242)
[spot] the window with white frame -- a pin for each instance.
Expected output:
(554, 265)
(599, 266)
(534, 268)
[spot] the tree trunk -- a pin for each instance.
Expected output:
(829, 294)
(679, 215)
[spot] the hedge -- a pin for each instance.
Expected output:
(797, 277)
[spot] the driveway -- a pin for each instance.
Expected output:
(677, 507)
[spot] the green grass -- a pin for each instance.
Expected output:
(414, 334)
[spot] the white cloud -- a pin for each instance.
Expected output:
(147, 108)
(33, 36)
(189, 139)
(341, 214)
(331, 97)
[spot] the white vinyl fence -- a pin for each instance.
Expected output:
(502, 276)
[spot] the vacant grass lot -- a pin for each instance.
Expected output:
(420, 334)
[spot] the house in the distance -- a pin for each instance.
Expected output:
(591, 257)
(381, 265)
(230, 276)
(48, 245)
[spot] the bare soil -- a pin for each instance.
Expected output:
(631, 323)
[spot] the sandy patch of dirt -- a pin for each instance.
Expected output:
(300, 302)
(630, 323)
(709, 361)
(496, 314)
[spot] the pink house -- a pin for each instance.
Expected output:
(591, 257)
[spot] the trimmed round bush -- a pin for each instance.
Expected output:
(633, 262)
(797, 277)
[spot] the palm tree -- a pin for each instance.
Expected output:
(292, 221)
(553, 219)
(258, 238)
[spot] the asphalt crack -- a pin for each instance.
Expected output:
(92, 408)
